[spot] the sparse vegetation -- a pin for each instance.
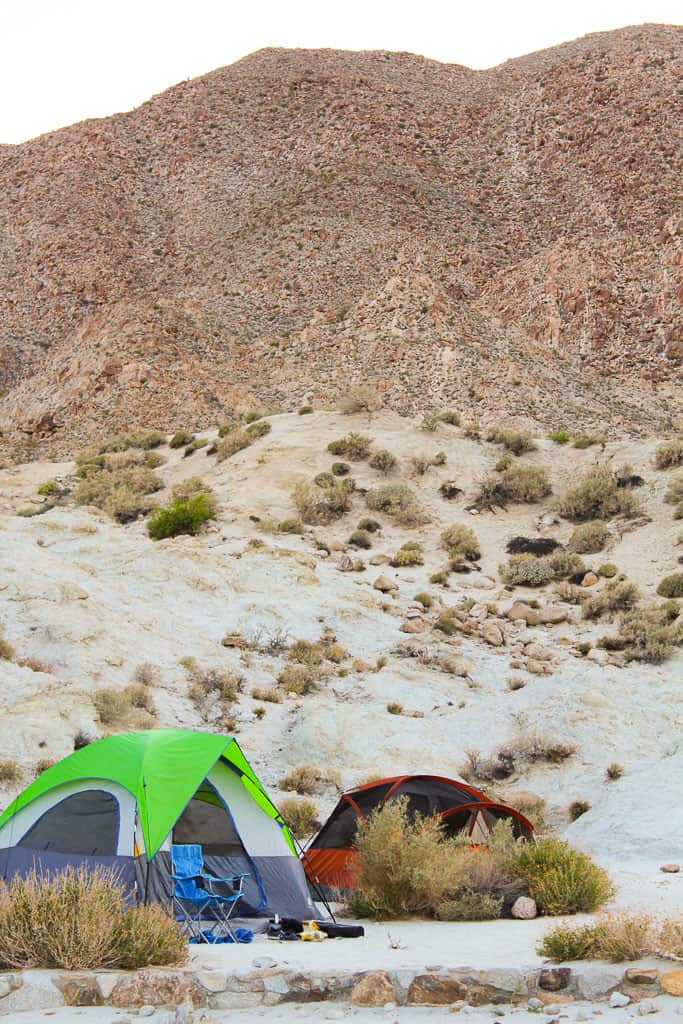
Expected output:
(408, 554)
(650, 634)
(360, 539)
(300, 816)
(424, 461)
(7, 652)
(669, 454)
(180, 439)
(472, 431)
(360, 398)
(618, 595)
(340, 468)
(460, 542)
(397, 501)
(383, 461)
(233, 442)
(183, 516)
(451, 417)
(353, 446)
(119, 486)
(526, 570)
(269, 696)
(559, 436)
(304, 780)
(426, 600)
(10, 772)
(589, 538)
(598, 496)
(614, 771)
(671, 586)
(290, 526)
(615, 937)
(297, 679)
(518, 483)
(130, 708)
(577, 808)
(305, 410)
(257, 430)
(318, 506)
(212, 691)
(516, 441)
(306, 652)
(562, 880)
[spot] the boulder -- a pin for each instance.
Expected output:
(519, 610)
(598, 656)
(538, 652)
(434, 990)
(618, 999)
(492, 634)
(670, 869)
(384, 585)
(524, 908)
(552, 614)
(672, 982)
(79, 989)
(641, 976)
(553, 979)
(373, 989)
(414, 625)
(152, 987)
(646, 1007)
(590, 579)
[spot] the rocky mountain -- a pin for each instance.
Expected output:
(506, 241)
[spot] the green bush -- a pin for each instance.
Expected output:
(671, 586)
(584, 441)
(369, 525)
(460, 542)
(300, 816)
(305, 410)
(615, 937)
(257, 430)
(589, 538)
(180, 439)
(76, 919)
(504, 462)
(383, 461)
(559, 436)
(290, 526)
(340, 468)
(408, 554)
(354, 446)
(183, 516)
(360, 539)
(49, 489)
(608, 570)
(669, 454)
(598, 496)
(561, 880)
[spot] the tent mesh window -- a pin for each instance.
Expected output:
(85, 823)
(205, 821)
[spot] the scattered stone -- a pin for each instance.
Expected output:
(641, 976)
(263, 963)
(380, 560)
(519, 610)
(146, 1011)
(670, 869)
(79, 989)
(646, 1007)
(535, 1004)
(590, 579)
(538, 652)
(552, 614)
(618, 999)
(415, 625)
(384, 585)
(524, 908)
(672, 982)
(433, 990)
(492, 634)
(373, 989)
(534, 666)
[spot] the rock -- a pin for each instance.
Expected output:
(492, 634)
(535, 1004)
(212, 981)
(79, 989)
(478, 581)
(380, 560)
(345, 564)
(524, 908)
(416, 625)
(155, 987)
(537, 668)
(433, 990)
(641, 976)
(373, 989)
(672, 982)
(233, 640)
(519, 610)
(479, 612)
(590, 579)
(670, 869)
(552, 614)
(384, 585)
(414, 714)
(618, 999)
(598, 656)
(5, 988)
(538, 652)
(263, 963)
(146, 1011)
(646, 1007)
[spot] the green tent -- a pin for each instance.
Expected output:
(123, 800)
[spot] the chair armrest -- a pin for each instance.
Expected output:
(230, 878)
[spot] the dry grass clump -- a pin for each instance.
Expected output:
(397, 501)
(306, 652)
(614, 771)
(235, 441)
(516, 441)
(290, 526)
(669, 454)
(130, 708)
(77, 920)
(318, 506)
(671, 586)
(10, 772)
(460, 542)
(618, 595)
(674, 493)
(369, 525)
(305, 779)
(213, 691)
(597, 495)
(532, 748)
(589, 538)
(270, 696)
(424, 461)
(297, 679)
(559, 436)
(353, 446)
(615, 937)
(299, 815)
(7, 652)
(383, 461)
(180, 439)
(577, 809)
(532, 807)
(394, 707)
(517, 483)
(120, 488)
(408, 554)
(360, 398)
(650, 634)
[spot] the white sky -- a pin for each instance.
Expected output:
(64, 60)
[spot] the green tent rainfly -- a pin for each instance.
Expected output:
(124, 799)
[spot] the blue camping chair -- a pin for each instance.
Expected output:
(193, 893)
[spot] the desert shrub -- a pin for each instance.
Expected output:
(257, 430)
(615, 937)
(10, 772)
(147, 674)
(408, 554)
(123, 491)
(340, 468)
(426, 600)
(614, 771)
(533, 808)
(270, 696)
(440, 578)
(77, 920)
(189, 486)
(397, 501)
(559, 436)
(305, 410)
(131, 708)
(300, 816)
(472, 431)
(518, 483)
(212, 691)
(7, 652)
(317, 506)
(568, 942)
(290, 526)
(43, 764)
(516, 441)
(589, 538)
(577, 808)
(360, 539)
(226, 428)
(671, 586)
(561, 880)
(424, 461)
(583, 441)
(470, 906)
(650, 634)
(430, 421)
(336, 653)
(618, 595)
(608, 570)
(450, 417)
(253, 415)
(192, 447)
(460, 542)
(383, 461)
(527, 571)
(354, 446)
(146, 439)
(504, 462)
(597, 495)
(323, 479)
(360, 398)
(674, 492)
(49, 489)
(305, 779)
(394, 707)
(306, 652)
(180, 439)
(235, 441)
(669, 453)
(670, 939)
(369, 525)
(182, 516)
(297, 679)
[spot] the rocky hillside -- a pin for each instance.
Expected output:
(365, 648)
(505, 240)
